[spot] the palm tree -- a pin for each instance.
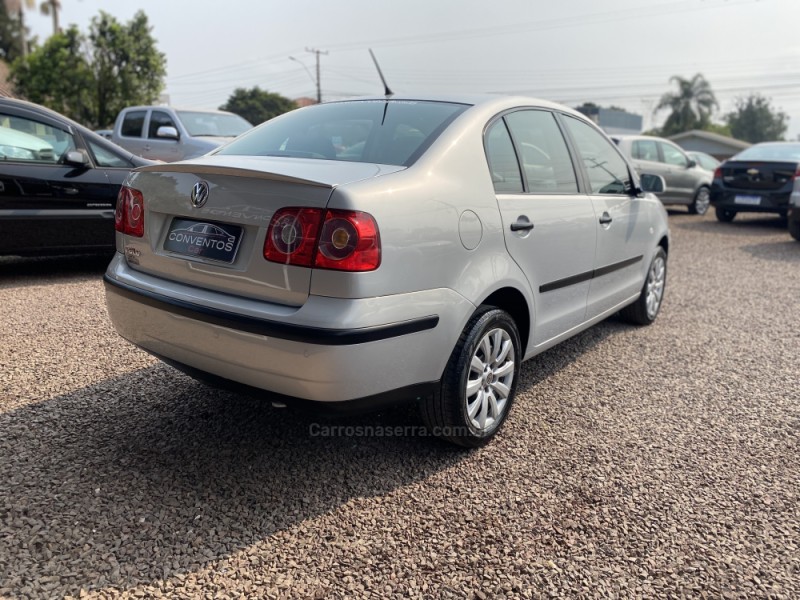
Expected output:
(16, 8)
(691, 106)
(51, 7)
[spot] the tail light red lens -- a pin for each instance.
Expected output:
(343, 240)
(349, 242)
(292, 236)
(129, 216)
(718, 173)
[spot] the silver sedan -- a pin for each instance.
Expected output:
(389, 248)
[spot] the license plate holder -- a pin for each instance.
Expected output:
(747, 200)
(203, 239)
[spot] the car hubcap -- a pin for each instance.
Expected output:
(491, 374)
(655, 286)
(702, 201)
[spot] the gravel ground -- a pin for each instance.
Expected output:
(638, 462)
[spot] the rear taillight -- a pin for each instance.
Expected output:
(129, 216)
(343, 240)
(718, 173)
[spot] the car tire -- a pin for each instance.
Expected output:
(702, 199)
(794, 229)
(645, 310)
(725, 215)
(479, 383)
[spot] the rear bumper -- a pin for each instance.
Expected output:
(380, 345)
(776, 202)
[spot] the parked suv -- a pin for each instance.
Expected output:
(169, 134)
(687, 182)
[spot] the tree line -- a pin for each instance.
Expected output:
(91, 76)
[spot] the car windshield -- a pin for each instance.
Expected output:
(392, 132)
(213, 123)
(790, 152)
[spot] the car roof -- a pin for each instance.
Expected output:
(179, 109)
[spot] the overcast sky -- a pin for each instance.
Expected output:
(619, 52)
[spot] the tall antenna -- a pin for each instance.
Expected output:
(386, 89)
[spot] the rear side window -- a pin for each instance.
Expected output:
(106, 158)
(132, 123)
(543, 152)
(502, 158)
(158, 119)
(645, 150)
(392, 132)
(607, 170)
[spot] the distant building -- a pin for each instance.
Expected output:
(612, 120)
(719, 146)
(304, 101)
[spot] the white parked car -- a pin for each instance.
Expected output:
(389, 248)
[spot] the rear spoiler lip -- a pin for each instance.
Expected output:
(230, 171)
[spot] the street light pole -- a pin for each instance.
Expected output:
(319, 88)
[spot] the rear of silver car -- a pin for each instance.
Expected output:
(226, 310)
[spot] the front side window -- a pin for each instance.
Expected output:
(502, 158)
(158, 119)
(645, 150)
(543, 152)
(132, 123)
(23, 139)
(673, 156)
(392, 132)
(104, 157)
(607, 170)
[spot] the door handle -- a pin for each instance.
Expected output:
(605, 219)
(521, 226)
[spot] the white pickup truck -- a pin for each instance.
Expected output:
(169, 134)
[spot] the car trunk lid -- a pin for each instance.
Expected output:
(757, 175)
(243, 194)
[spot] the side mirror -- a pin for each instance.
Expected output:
(165, 131)
(692, 163)
(77, 158)
(652, 183)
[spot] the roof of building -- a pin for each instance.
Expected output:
(711, 137)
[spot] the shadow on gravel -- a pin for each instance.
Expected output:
(743, 225)
(152, 475)
(32, 270)
(788, 252)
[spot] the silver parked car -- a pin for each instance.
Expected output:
(377, 249)
(687, 182)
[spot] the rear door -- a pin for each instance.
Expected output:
(622, 226)
(549, 226)
(131, 132)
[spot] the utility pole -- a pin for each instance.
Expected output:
(319, 88)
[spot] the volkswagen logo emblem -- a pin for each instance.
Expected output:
(199, 194)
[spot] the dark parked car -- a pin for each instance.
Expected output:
(58, 183)
(759, 179)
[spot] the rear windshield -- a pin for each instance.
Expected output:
(790, 152)
(391, 132)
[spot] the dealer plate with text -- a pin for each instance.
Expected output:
(213, 241)
(747, 200)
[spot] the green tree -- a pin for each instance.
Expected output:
(91, 79)
(690, 107)
(754, 120)
(58, 76)
(13, 32)
(127, 66)
(257, 105)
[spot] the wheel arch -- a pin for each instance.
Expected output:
(512, 301)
